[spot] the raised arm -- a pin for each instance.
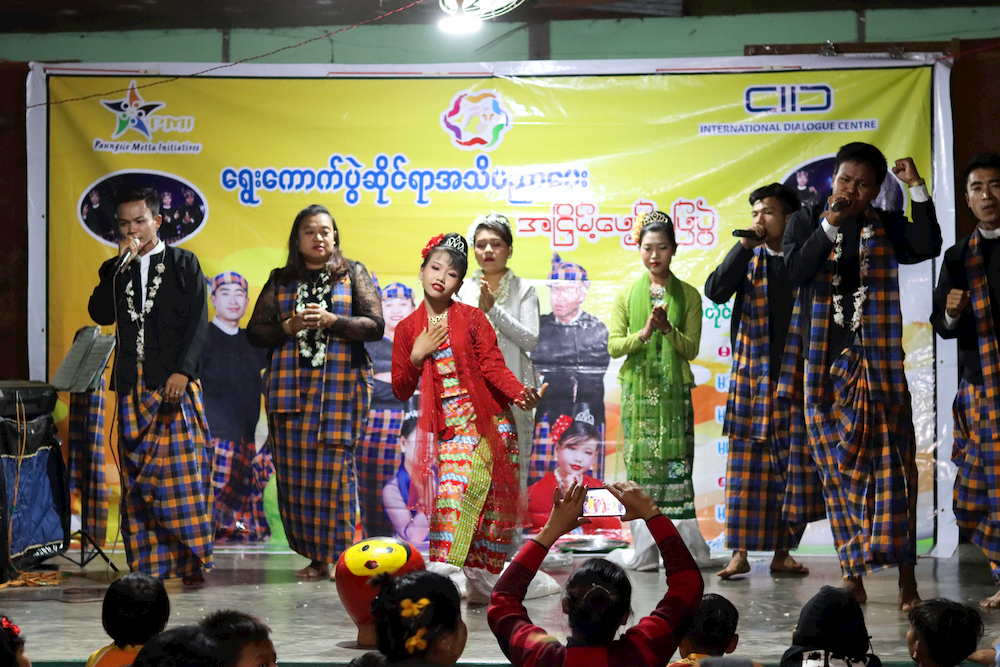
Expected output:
(367, 325)
(919, 240)
(728, 277)
(944, 325)
(264, 329)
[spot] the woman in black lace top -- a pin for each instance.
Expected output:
(315, 314)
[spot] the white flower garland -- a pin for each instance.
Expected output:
(147, 305)
(860, 294)
(313, 347)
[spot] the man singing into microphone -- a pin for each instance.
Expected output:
(844, 256)
(157, 299)
(754, 270)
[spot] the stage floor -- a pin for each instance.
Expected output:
(63, 623)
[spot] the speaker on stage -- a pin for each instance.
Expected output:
(35, 514)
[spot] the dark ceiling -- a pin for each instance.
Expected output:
(113, 15)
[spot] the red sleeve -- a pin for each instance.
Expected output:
(655, 637)
(405, 376)
(491, 363)
(524, 644)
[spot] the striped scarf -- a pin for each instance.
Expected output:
(749, 408)
(989, 358)
(881, 331)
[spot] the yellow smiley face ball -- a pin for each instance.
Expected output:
(376, 555)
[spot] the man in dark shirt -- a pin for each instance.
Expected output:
(844, 257)
(231, 375)
(572, 357)
(754, 271)
(967, 307)
(157, 302)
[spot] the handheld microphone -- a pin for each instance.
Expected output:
(746, 234)
(840, 205)
(124, 259)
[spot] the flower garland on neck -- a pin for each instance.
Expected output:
(503, 289)
(860, 294)
(147, 305)
(312, 342)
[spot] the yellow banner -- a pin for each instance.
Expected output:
(569, 159)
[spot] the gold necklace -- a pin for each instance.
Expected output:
(437, 318)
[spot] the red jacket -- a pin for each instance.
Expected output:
(650, 642)
(477, 357)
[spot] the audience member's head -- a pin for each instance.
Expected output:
(713, 627)
(831, 629)
(185, 646)
(12, 645)
(136, 607)
(943, 633)
(419, 616)
(598, 600)
(244, 639)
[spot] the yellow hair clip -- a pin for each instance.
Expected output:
(417, 641)
(411, 608)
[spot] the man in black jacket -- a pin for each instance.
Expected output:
(967, 307)
(157, 300)
(844, 257)
(754, 271)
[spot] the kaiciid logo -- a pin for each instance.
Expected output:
(788, 98)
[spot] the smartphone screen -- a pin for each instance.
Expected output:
(601, 502)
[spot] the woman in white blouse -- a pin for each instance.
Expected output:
(512, 306)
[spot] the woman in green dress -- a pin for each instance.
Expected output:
(656, 321)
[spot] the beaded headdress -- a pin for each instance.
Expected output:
(493, 217)
(649, 218)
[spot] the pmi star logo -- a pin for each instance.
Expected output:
(132, 112)
(476, 120)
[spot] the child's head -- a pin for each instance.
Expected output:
(419, 615)
(244, 639)
(598, 600)
(136, 607)
(446, 260)
(12, 645)
(408, 438)
(184, 646)
(713, 627)
(832, 620)
(942, 632)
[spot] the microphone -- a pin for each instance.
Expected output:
(746, 234)
(127, 257)
(840, 205)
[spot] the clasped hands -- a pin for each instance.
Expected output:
(657, 322)
(313, 316)
(486, 296)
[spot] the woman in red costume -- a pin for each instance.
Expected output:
(465, 429)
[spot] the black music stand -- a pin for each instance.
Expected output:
(81, 372)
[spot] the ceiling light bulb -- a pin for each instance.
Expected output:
(460, 24)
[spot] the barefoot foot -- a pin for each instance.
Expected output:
(737, 565)
(314, 570)
(856, 588)
(992, 602)
(783, 563)
(193, 582)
